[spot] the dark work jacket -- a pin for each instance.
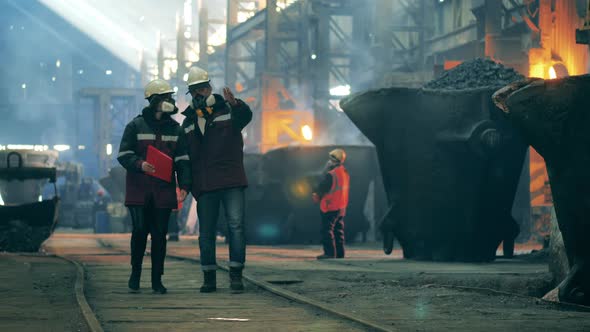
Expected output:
(325, 184)
(217, 155)
(165, 135)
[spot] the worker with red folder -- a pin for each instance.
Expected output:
(154, 152)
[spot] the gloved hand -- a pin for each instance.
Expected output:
(315, 197)
(181, 195)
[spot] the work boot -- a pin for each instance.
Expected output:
(157, 285)
(340, 253)
(210, 282)
(235, 278)
(134, 280)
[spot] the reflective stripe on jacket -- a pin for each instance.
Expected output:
(165, 135)
(216, 147)
(337, 198)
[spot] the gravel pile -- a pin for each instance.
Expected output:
(475, 74)
(17, 236)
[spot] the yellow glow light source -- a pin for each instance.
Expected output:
(307, 133)
(552, 73)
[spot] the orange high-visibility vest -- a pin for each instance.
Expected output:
(337, 198)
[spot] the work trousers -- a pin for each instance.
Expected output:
(149, 220)
(232, 200)
(332, 232)
(173, 224)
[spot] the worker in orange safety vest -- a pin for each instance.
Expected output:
(332, 195)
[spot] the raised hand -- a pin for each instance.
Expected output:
(229, 96)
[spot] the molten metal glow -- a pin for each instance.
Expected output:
(552, 73)
(307, 132)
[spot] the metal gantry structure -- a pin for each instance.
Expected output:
(292, 60)
(284, 57)
(112, 110)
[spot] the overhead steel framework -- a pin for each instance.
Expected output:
(292, 60)
(112, 110)
(285, 57)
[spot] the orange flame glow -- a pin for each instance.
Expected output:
(552, 73)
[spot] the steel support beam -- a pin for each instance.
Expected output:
(113, 109)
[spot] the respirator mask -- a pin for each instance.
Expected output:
(165, 104)
(204, 106)
(168, 106)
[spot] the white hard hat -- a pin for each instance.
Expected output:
(157, 87)
(197, 75)
(338, 154)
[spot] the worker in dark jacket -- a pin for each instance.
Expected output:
(213, 125)
(332, 194)
(148, 198)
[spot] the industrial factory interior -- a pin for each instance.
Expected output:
(294, 165)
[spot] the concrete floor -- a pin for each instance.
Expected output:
(404, 295)
(38, 294)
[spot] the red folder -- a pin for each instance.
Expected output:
(161, 162)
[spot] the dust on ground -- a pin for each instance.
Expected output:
(450, 298)
(38, 294)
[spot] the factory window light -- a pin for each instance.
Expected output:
(314, 56)
(185, 77)
(188, 13)
(1, 200)
(53, 79)
(20, 147)
(24, 86)
(175, 89)
(81, 147)
(341, 90)
(217, 38)
(109, 149)
(40, 198)
(58, 63)
(307, 133)
(61, 147)
(108, 72)
(81, 71)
